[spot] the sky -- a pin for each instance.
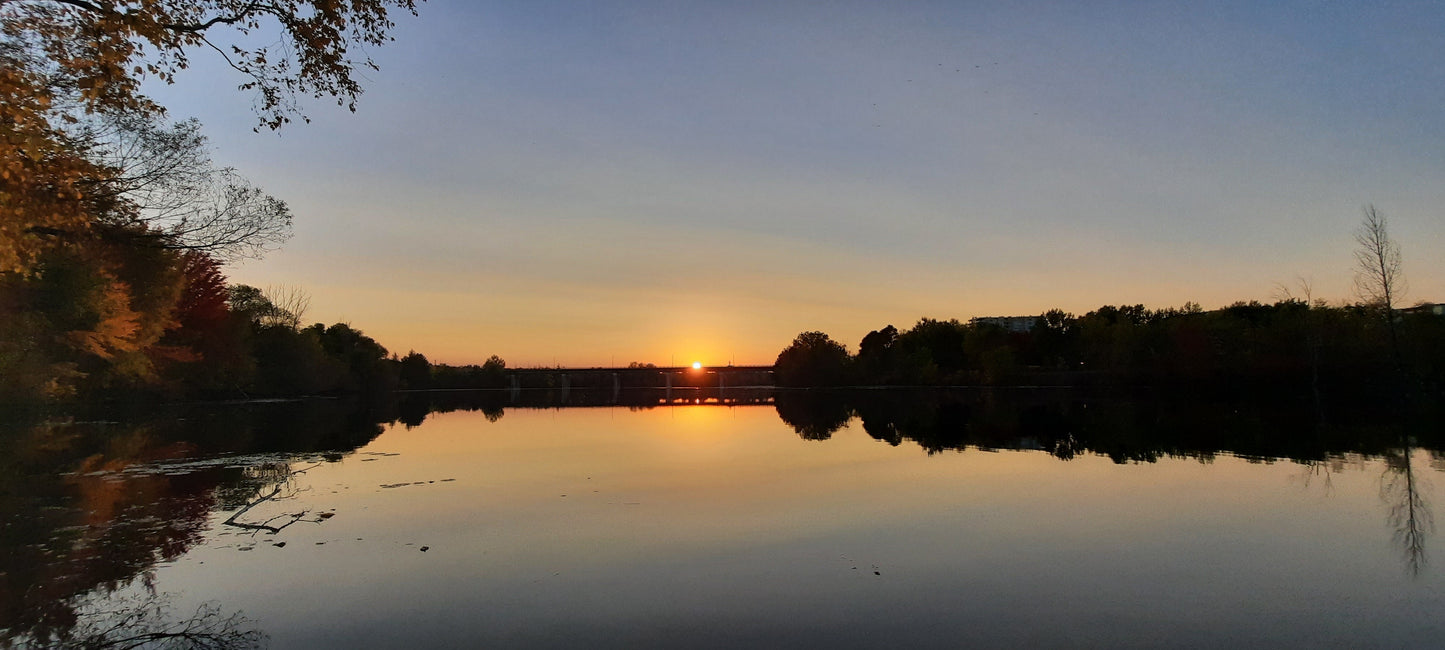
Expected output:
(592, 184)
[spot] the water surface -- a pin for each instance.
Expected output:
(981, 520)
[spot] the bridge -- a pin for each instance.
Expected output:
(665, 385)
(620, 378)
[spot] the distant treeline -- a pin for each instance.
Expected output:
(1288, 344)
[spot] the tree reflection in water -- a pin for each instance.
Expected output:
(815, 415)
(147, 621)
(1128, 429)
(1408, 513)
(88, 509)
(1124, 428)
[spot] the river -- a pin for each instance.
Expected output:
(980, 519)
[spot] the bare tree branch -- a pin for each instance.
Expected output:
(273, 495)
(164, 175)
(1379, 278)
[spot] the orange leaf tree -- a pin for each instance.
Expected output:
(63, 59)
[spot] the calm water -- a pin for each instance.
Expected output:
(978, 520)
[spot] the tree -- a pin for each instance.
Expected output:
(494, 372)
(937, 350)
(202, 306)
(162, 178)
(65, 60)
(97, 313)
(1379, 274)
(414, 371)
(97, 53)
(1055, 334)
(878, 342)
(291, 304)
(812, 359)
(282, 307)
(210, 344)
(876, 352)
(364, 359)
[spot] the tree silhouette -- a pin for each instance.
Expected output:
(813, 359)
(162, 178)
(415, 371)
(1379, 273)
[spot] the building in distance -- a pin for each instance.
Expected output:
(1432, 308)
(1008, 323)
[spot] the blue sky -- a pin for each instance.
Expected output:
(590, 183)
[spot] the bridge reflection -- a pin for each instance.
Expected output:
(618, 379)
(719, 386)
(414, 405)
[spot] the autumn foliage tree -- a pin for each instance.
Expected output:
(66, 60)
(100, 193)
(202, 307)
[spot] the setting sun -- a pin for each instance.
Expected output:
(697, 365)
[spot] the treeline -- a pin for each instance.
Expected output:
(1290, 343)
(114, 220)
(418, 374)
(126, 296)
(109, 317)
